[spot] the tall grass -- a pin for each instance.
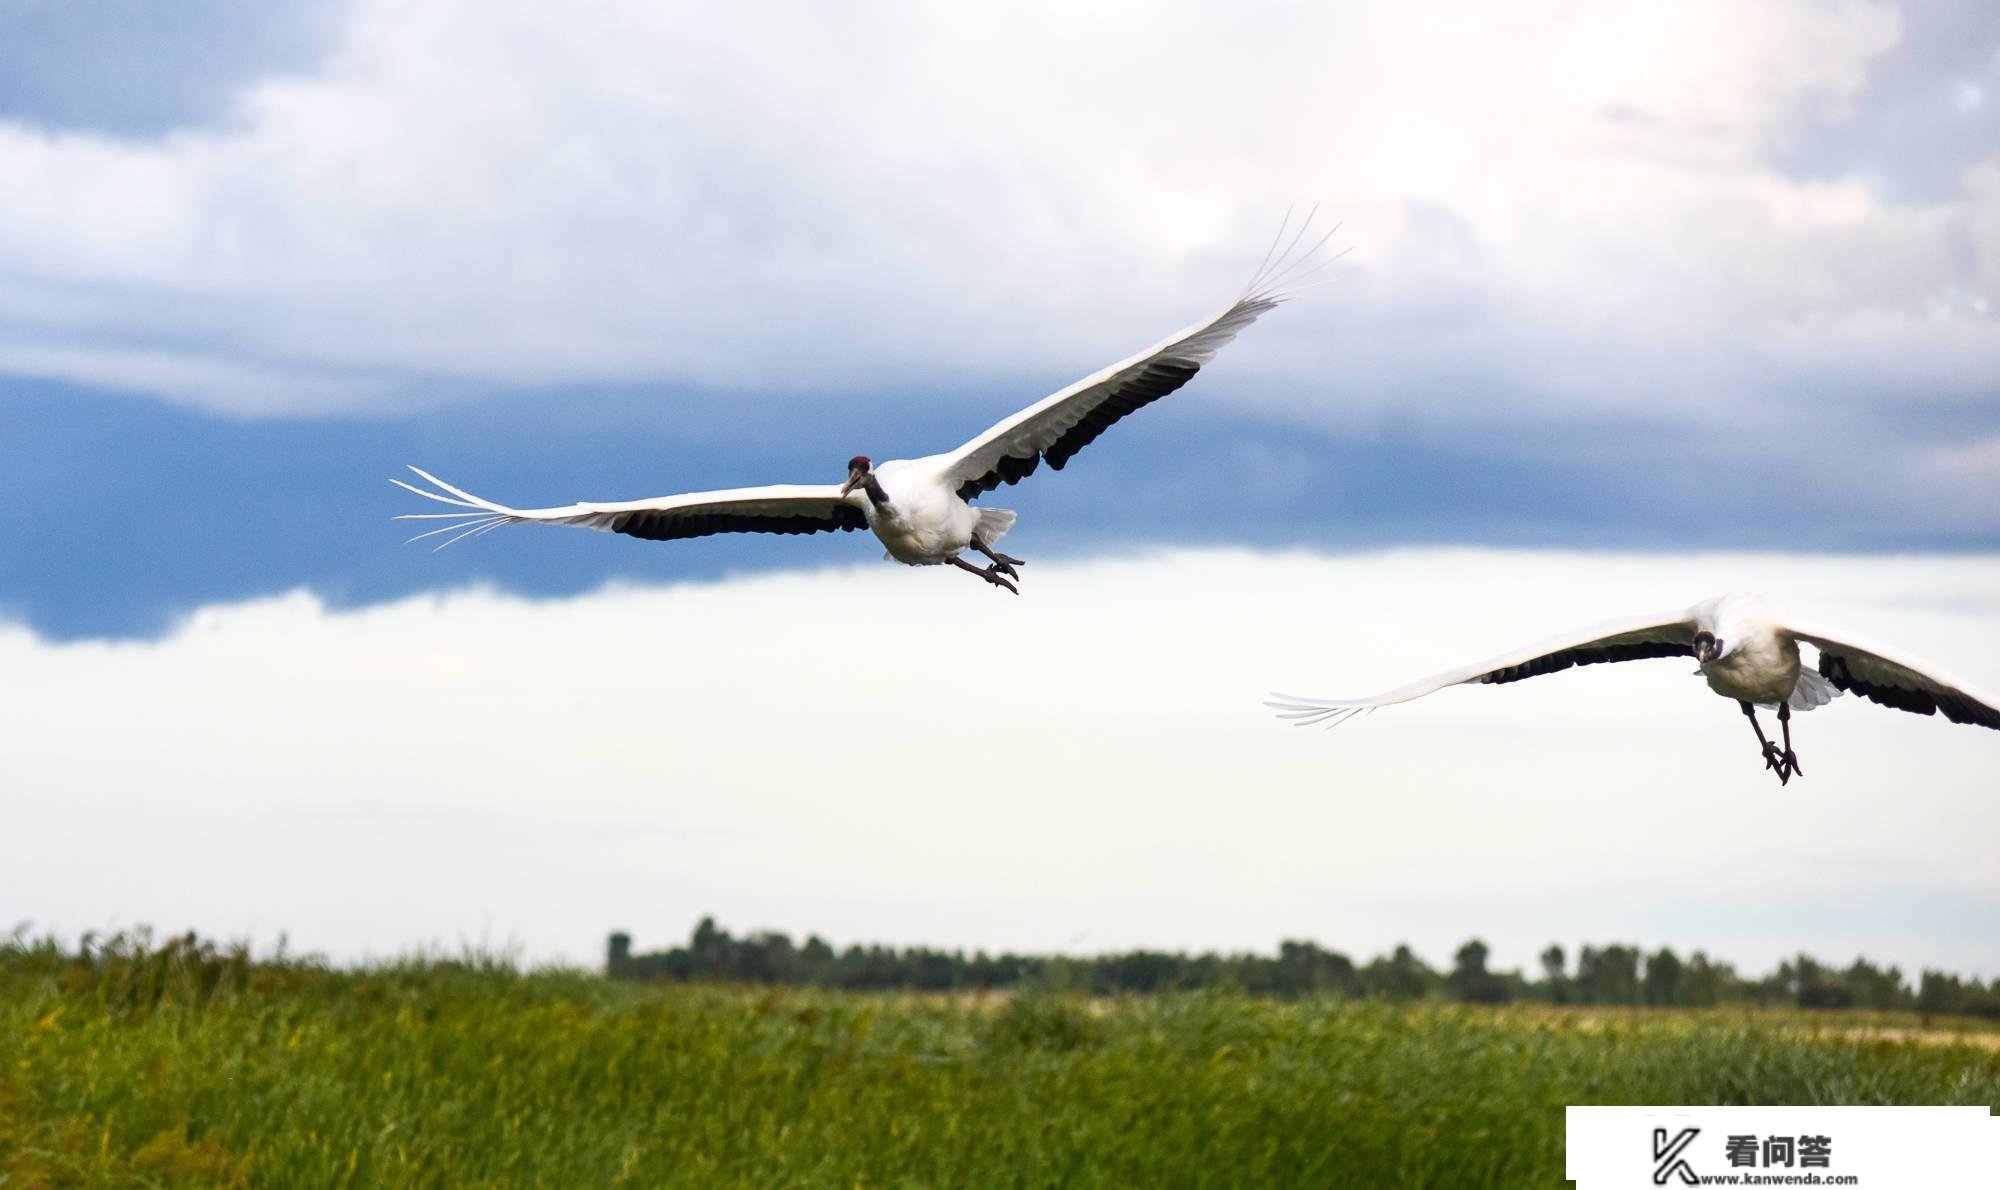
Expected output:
(186, 1064)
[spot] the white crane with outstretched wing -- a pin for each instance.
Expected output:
(921, 508)
(1744, 650)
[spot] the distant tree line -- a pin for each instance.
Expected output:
(1612, 975)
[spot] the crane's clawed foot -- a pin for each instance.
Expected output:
(991, 573)
(1778, 762)
(1782, 761)
(1001, 562)
(1787, 765)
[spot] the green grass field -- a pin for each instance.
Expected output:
(197, 1068)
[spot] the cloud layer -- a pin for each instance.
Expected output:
(886, 754)
(1577, 208)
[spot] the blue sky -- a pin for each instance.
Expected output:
(135, 513)
(141, 69)
(1710, 289)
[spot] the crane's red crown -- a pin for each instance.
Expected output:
(858, 463)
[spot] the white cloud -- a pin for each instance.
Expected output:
(1572, 203)
(233, 385)
(908, 756)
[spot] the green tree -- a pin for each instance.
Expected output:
(1470, 980)
(1555, 978)
(1663, 978)
(1875, 987)
(1401, 976)
(1704, 982)
(1939, 993)
(1608, 976)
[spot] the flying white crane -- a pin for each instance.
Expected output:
(1744, 651)
(919, 507)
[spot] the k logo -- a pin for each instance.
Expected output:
(1667, 1159)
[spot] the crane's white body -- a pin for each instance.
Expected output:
(1764, 670)
(925, 522)
(1761, 665)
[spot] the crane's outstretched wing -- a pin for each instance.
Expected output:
(1056, 427)
(1631, 639)
(781, 508)
(1893, 679)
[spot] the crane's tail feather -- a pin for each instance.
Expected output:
(1812, 691)
(994, 523)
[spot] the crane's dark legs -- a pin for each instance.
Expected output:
(1785, 722)
(991, 573)
(1782, 762)
(1001, 562)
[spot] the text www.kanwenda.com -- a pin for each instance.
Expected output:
(1780, 1179)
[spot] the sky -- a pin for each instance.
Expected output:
(1626, 286)
(1093, 770)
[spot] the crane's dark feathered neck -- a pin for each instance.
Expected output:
(873, 487)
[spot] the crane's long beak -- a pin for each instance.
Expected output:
(853, 481)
